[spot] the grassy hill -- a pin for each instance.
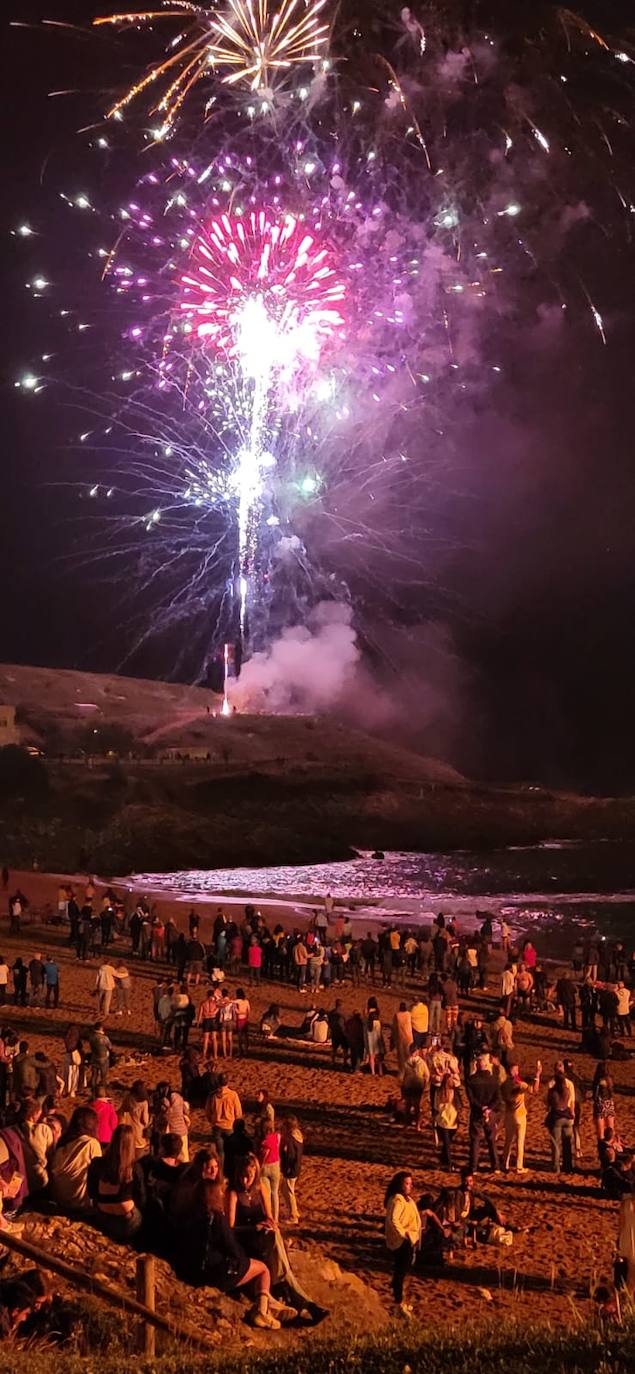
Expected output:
(267, 789)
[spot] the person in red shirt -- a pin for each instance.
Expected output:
(107, 1120)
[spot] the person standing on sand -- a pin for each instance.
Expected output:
(369, 956)
(4, 979)
(100, 1050)
(36, 980)
(374, 1039)
(513, 1092)
(105, 984)
(52, 982)
(123, 988)
(300, 962)
(403, 1233)
(242, 1010)
(85, 932)
(401, 1036)
(322, 921)
(316, 965)
(559, 1122)
(223, 1109)
(15, 913)
(565, 993)
(624, 1005)
(20, 977)
(291, 1151)
(416, 1078)
(254, 960)
(485, 1100)
(420, 1018)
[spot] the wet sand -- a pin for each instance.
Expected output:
(565, 1230)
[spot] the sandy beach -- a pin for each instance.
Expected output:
(565, 1231)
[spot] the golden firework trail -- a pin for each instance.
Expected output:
(248, 41)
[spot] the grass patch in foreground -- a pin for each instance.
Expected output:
(582, 1349)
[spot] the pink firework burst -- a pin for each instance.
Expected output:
(277, 263)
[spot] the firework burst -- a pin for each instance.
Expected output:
(248, 43)
(307, 312)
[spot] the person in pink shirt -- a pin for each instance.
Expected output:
(529, 955)
(107, 1119)
(254, 960)
(270, 1166)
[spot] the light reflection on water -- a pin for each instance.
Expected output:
(595, 881)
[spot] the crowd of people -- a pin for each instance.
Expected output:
(127, 1165)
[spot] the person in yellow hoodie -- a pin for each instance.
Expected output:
(403, 1233)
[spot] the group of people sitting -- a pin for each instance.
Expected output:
(127, 1170)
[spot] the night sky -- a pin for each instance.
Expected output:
(534, 602)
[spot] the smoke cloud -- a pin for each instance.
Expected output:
(310, 668)
(413, 693)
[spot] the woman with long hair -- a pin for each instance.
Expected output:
(559, 1122)
(250, 1217)
(117, 1187)
(134, 1112)
(249, 1210)
(603, 1103)
(270, 1165)
(403, 1233)
(265, 1118)
(206, 1164)
(446, 1118)
(374, 1044)
(210, 1252)
(68, 1173)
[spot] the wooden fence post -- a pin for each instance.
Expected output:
(145, 1295)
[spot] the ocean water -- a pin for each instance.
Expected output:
(592, 885)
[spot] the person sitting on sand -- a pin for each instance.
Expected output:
(616, 1176)
(116, 1185)
(68, 1172)
(270, 1021)
(320, 1028)
(209, 1252)
(435, 1235)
